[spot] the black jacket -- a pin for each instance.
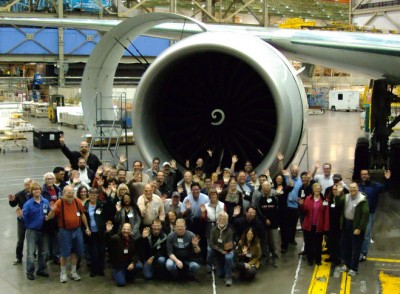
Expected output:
(99, 218)
(241, 224)
(73, 156)
(116, 245)
(148, 249)
(20, 198)
(267, 208)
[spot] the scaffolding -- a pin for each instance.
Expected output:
(111, 125)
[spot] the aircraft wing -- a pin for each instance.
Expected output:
(375, 55)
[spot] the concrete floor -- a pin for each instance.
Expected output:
(331, 137)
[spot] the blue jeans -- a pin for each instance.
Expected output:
(36, 240)
(121, 276)
(71, 241)
(368, 233)
(148, 269)
(210, 256)
(192, 267)
(224, 264)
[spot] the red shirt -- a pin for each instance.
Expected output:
(70, 215)
(322, 214)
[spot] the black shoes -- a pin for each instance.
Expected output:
(42, 274)
(17, 261)
(294, 243)
(30, 276)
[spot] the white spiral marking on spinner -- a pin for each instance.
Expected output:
(215, 116)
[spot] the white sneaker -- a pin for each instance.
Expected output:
(352, 273)
(342, 268)
(75, 276)
(63, 278)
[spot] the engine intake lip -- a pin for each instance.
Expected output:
(164, 118)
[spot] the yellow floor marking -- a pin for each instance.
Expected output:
(389, 284)
(383, 259)
(320, 278)
(345, 284)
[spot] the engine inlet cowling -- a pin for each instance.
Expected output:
(229, 93)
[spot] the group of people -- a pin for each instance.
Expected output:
(167, 223)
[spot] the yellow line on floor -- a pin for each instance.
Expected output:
(389, 284)
(345, 284)
(383, 259)
(320, 279)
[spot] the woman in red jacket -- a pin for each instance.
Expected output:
(316, 222)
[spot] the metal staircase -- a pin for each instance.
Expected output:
(110, 126)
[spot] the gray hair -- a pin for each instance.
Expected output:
(48, 174)
(223, 213)
(27, 180)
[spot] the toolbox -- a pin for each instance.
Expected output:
(47, 138)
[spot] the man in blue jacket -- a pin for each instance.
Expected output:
(33, 215)
(372, 190)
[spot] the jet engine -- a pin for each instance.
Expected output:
(229, 93)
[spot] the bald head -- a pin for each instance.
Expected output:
(148, 191)
(126, 230)
(266, 188)
(294, 170)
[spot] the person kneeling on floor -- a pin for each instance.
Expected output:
(182, 248)
(249, 254)
(123, 257)
(221, 242)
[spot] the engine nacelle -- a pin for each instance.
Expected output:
(229, 93)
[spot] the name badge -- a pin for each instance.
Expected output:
(220, 240)
(269, 200)
(325, 203)
(98, 211)
(248, 255)
(130, 215)
(247, 193)
(158, 247)
(180, 240)
(126, 251)
(45, 210)
(78, 213)
(333, 205)
(354, 205)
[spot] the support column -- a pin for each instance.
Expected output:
(266, 14)
(60, 62)
(172, 6)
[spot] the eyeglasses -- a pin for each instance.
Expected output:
(49, 179)
(195, 189)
